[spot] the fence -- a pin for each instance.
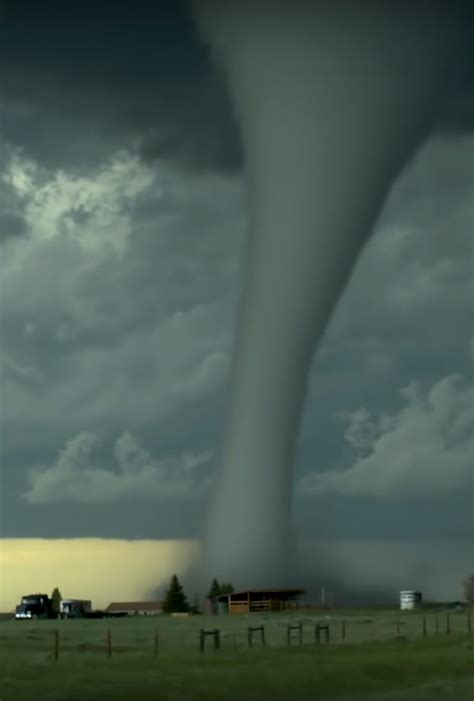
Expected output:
(138, 636)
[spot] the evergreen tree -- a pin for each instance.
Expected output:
(226, 588)
(56, 600)
(215, 590)
(175, 599)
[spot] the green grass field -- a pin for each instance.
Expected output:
(371, 663)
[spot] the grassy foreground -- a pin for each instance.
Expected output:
(393, 670)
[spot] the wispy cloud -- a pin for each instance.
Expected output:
(425, 447)
(77, 474)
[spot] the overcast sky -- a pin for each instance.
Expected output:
(122, 219)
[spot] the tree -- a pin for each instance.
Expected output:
(56, 600)
(215, 590)
(175, 599)
(469, 589)
(218, 589)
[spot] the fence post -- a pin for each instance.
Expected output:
(156, 642)
(343, 630)
(216, 634)
(424, 626)
(448, 625)
(109, 643)
(469, 621)
(255, 629)
(437, 625)
(398, 627)
(298, 628)
(56, 645)
(318, 630)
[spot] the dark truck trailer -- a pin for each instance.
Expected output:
(34, 606)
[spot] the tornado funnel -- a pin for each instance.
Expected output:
(332, 100)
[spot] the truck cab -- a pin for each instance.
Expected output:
(34, 606)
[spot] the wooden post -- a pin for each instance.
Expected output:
(398, 627)
(424, 626)
(318, 630)
(216, 635)
(109, 643)
(343, 630)
(469, 621)
(56, 645)
(255, 629)
(298, 628)
(448, 624)
(436, 625)
(156, 642)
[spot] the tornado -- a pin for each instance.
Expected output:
(332, 99)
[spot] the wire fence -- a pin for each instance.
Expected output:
(159, 635)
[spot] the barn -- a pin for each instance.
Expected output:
(260, 601)
(134, 608)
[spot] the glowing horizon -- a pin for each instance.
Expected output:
(99, 569)
(106, 570)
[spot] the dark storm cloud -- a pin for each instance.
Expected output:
(457, 119)
(176, 257)
(12, 222)
(77, 79)
(99, 73)
(95, 341)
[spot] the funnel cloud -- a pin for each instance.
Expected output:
(332, 100)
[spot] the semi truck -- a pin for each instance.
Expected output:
(34, 606)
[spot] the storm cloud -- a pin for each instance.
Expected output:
(122, 224)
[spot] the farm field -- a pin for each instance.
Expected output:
(158, 658)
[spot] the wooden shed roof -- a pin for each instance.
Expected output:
(267, 590)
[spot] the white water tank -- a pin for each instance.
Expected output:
(410, 600)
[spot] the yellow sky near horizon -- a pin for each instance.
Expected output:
(99, 569)
(106, 570)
